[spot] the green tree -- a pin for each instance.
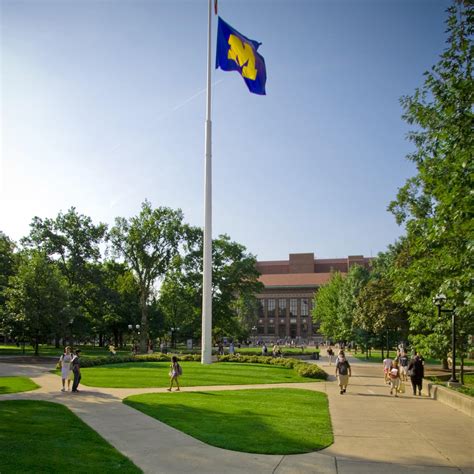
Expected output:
(37, 297)
(327, 307)
(179, 303)
(7, 270)
(73, 241)
(234, 279)
(354, 282)
(118, 295)
(378, 315)
(437, 204)
(148, 243)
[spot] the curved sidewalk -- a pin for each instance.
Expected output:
(373, 432)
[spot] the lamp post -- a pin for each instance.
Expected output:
(173, 340)
(439, 300)
(131, 328)
(254, 332)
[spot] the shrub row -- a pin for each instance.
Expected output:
(302, 368)
(284, 351)
(156, 357)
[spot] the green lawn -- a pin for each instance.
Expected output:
(284, 350)
(155, 374)
(44, 437)
(270, 421)
(376, 357)
(16, 384)
(468, 387)
(47, 350)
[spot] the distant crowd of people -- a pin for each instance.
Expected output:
(397, 371)
(400, 369)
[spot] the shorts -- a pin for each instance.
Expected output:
(343, 380)
(395, 383)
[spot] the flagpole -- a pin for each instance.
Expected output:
(206, 340)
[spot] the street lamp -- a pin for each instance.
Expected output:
(254, 332)
(440, 300)
(131, 328)
(173, 330)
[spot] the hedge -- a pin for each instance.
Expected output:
(302, 368)
(156, 357)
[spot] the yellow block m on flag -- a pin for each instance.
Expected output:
(235, 52)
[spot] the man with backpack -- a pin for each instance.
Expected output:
(343, 371)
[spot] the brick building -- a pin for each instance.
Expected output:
(286, 302)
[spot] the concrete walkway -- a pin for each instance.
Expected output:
(373, 432)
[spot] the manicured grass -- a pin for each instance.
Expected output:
(468, 387)
(155, 374)
(284, 350)
(270, 421)
(16, 384)
(44, 437)
(376, 357)
(47, 350)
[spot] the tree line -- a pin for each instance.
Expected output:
(71, 279)
(436, 206)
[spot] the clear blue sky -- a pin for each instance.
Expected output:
(103, 105)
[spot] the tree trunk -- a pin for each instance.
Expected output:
(101, 340)
(37, 344)
(462, 369)
(56, 341)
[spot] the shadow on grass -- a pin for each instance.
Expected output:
(284, 428)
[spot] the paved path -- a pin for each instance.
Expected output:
(373, 432)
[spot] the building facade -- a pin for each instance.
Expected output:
(287, 300)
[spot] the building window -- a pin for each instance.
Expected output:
(271, 308)
(293, 306)
(282, 308)
(271, 330)
(304, 307)
(304, 327)
(261, 305)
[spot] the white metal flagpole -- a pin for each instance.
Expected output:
(206, 340)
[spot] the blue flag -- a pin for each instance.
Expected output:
(235, 52)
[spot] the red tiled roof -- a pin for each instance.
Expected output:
(295, 279)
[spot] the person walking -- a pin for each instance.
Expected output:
(343, 371)
(65, 363)
(387, 365)
(76, 370)
(330, 353)
(416, 371)
(404, 367)
(175, 372)
(394, 376)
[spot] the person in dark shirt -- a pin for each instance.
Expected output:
(416, 371)
(76, 370)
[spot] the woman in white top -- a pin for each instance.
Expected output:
(65, 361)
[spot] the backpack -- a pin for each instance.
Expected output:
(179, 369)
